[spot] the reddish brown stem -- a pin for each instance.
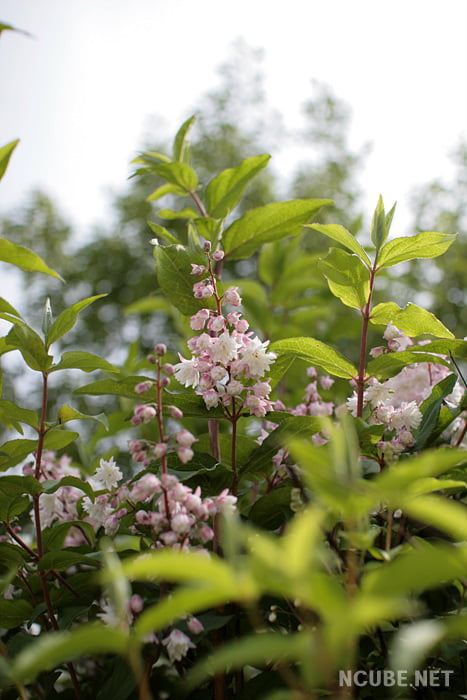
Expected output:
(366, 314)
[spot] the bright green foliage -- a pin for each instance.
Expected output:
(175, 279)
(423, 245)
(341, 527)
(225, 190)
(316, 353)
(412, 320)
(266, 224)
(24, 258)
(6, 151)
(347, 277)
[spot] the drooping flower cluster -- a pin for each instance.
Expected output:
(181, 441)
(395, 403)
(177, 516)
(228, 362)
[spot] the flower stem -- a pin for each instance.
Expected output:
(366, 314)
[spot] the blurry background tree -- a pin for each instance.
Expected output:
(235, 121)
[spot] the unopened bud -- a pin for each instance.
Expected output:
(207, 246)
(160, 349)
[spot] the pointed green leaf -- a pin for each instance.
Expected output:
(271, 222)
(151, 157)
(14, 451)
(316, 353)
(10, 411)
(85, 361)
(456, 347)
(257, 650)
(6, 151)
(412, 320)
(62, 559)
(67, 413)
(181, 145)
(175, 278)
(392, 363)
(14, 612)
(177, 173)
(379, 231)
(430, 409)
(23, 338)
(180, 603)
(423, 245)
(225, 190)
(446, 515)
(416, 570)
(51, 485)
(171, 215)
(56, 648)
(341, 235)
(56, 438)
(120, 387)
(24, 258)
(260, 461)
(166, 189)
(67, 319)
(162, 233)
(7, 308)
(347, 276)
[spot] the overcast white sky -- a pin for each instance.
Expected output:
(79, 94)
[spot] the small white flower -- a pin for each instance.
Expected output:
(224, 349)
(256, 360)
(177, 644)
(108, 474)
(186, 372)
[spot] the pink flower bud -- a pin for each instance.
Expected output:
(185, 454)
(160, 349)
(218, 255)
(175, 412)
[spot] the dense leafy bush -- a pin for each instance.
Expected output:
(262, 515)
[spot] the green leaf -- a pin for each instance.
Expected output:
(289, 426)
(208, 228)
(424, 245)
(13, 500)
(175, 278)
(166, 189)
(171, 215)
(225, 190)
(273, 509)
(11, 556)
(62, 559)
(392, 363)
(56, 438)
(56, 648)
(7, 308)
(85, 361)
(430, 409)
(316, 353)
(271, 222)
(24, 258)
(67, 319)
(379, 230)
(347, 277)
(117, 387)
(412, 320)
(341, 235)
(446, 515)
(456, 347)
(52, 485)
(180, 603)
(11, 412)
(181, 145)
(14, 612)
(256, 650)
(15, 451)
(67, 413)
(416, 570)
(178, 174)
(162, 233)
(6, 151)
(23, 338)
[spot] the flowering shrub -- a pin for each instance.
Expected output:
(242, 544)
